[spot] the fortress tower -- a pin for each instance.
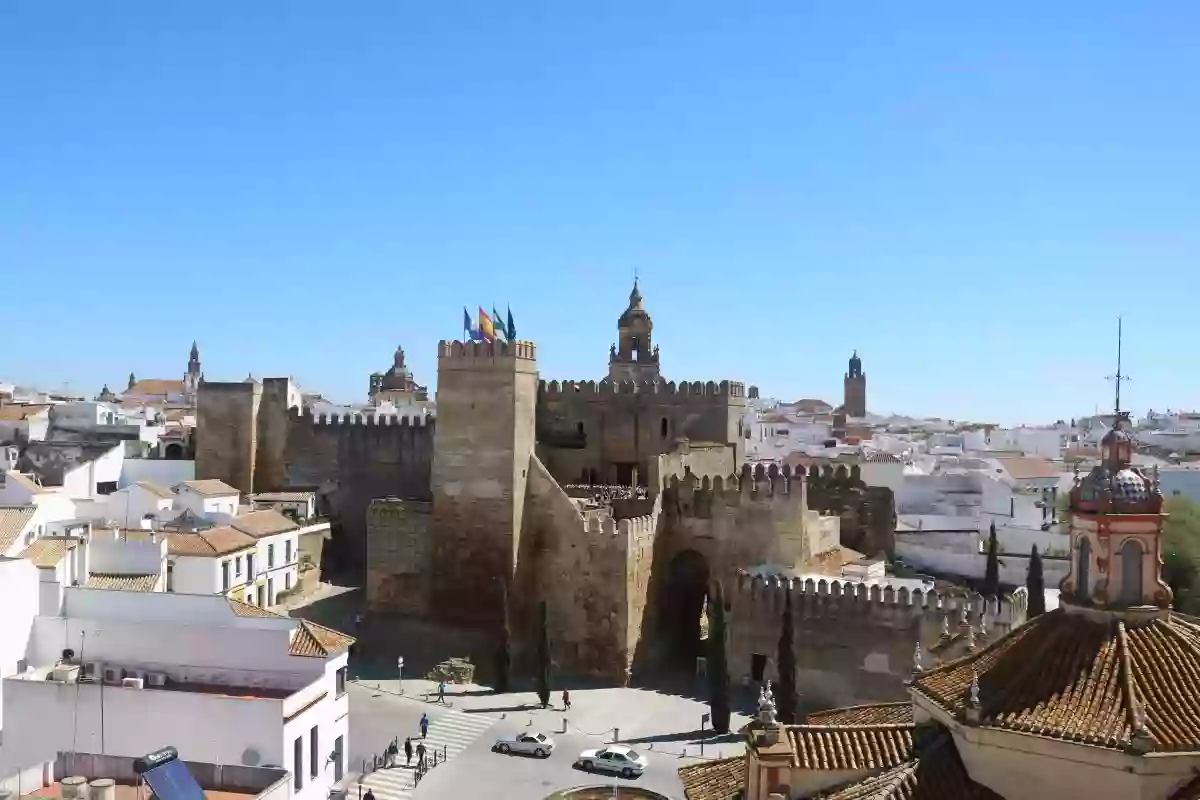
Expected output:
(634, 357)
(486, 399)
(854, 394)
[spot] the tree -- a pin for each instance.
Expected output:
(786, 699)
(718, 665)
(1181, 553)
(991, 578)
(504, 646)
(543, 657)
(1035, 585)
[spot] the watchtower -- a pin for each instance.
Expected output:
(486, 401)
(854, 397)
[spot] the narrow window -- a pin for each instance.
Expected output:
(313, 756)
(170, 577)
(298, 763)
(1085, 561)
(1131, 573)
(665, 427)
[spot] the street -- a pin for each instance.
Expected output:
(664, 727)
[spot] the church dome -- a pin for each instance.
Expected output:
(635, 311)
(1129, 485)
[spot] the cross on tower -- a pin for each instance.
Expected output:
(1118, 377)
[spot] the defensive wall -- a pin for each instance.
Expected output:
(856, 643)
(597, 431)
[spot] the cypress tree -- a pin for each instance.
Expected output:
(1035, 585)
(718, 666)
(785, 695)
(991, 578)
(504, 647)
(543, 657)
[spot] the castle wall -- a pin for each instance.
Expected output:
(272, 434)
(855, 643)
(486, 397)
(399, 556)
(226, 438)
(632, 422)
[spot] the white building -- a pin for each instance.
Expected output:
(120, 673)
(208, 498)
(27, 423)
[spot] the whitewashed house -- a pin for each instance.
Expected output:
(208, 498)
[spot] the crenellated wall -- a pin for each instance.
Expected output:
(855, 643)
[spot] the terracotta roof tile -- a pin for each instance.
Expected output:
(714, 780)
(20, 413)
(267, 522)
(282, 497)
(880, 457)
(210, 487)
(156, 490)
(830, 747)
(1069, 676)
(13, 520)
(250, 610)
(316, 641)
(873, 714)
(1024, 468)
(48, 551)
(219, 541)
(935, 773)
(154, 386)
(124, 583)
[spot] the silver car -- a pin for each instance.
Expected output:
(617, 758)
(538, 745)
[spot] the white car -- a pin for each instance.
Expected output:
(618, 758)
(535, 744)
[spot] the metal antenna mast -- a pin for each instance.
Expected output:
(1117, 378)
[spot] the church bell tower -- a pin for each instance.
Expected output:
(634, 357)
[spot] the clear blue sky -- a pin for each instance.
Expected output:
(968, 197)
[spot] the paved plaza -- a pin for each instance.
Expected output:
(667, 728)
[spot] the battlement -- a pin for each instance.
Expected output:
(363, 420)
(695, 494)
(470, 351)
(554, 389)
(766, 595)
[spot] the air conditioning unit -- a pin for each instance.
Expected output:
(140, 674)
(132, 683)
(157, 680)
(93, 669)
(113, 675)
(64, 673)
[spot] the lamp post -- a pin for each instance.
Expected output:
(400, 675)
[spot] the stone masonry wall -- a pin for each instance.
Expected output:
(227, 432)
(399, 556)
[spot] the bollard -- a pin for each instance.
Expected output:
(702, 748)
(444, 756)
(616, 735)
(684, 753)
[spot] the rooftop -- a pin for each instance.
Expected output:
(124, 583)
(13, 520)
(155, 386)
(282, 497)
(714, 780)
(25, 482)
(48, 551)
(210, 487)
(219, 541)
(267, 522)
(1025, 468)
(155, 489)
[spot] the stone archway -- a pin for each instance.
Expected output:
(174, 451)
(683, 602)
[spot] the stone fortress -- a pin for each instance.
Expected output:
(617, 502)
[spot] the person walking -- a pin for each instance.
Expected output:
(442, 692)
(566, 700)
(424, 725)
(369, 795)
(392, 752)
(408, 751)
(421, 755)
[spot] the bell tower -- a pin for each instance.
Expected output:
(193, 376)
(634, 357)
(854, 388)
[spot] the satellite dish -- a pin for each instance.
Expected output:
(251, 757)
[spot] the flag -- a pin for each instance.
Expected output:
(511, 333)
(498, 323)
(471, 333)
(486, 330)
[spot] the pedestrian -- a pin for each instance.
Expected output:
(566, 700)
(369, 795)
(420, 755)
(424, 725)
(408, 751)
(392, 752)
(442, 692)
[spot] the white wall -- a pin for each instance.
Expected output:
(109, 554)
(160, 471)
(18, 599)
(880, 473)
(129, 506)
(81, 480)
(1013, 568)
(212, 507)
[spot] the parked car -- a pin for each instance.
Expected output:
(618, 758)
(534, 744)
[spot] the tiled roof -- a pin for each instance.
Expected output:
(714, 780)
(1082, 679)
(47, 551)
(282, 497)
(935, 773)
(1189, 791)
(154, 386)
(1023, 468)
(20, 413)
(874, 714)
(156, 490)
(210, 487)
(264, 523)
(219, 541)
(316, 641)
(250, 610)
(13, 520)
(124, 583)
(25, 482)
(880, 457)
(829, 747)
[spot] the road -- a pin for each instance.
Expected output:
(661, 726)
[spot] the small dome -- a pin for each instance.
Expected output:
(1116, 435)
(1129, 485)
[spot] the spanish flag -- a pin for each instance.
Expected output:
(486, 329)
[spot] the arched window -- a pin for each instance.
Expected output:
(1084, 584)
(1131, 572)
(635, 347)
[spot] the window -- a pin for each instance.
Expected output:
(340, 682)
(250, 566)
(1131, 573)
(314, 763)
(298, 763)
(224, 576)
(270, 556)
(170, 577)
(1084, 588)
(338, 745)
(665, 427)
(237, 566)
(287, 552)
(287, 581)
(106, 487)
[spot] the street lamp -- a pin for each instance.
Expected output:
(400, 675)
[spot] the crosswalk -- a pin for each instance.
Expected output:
(449, 734)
